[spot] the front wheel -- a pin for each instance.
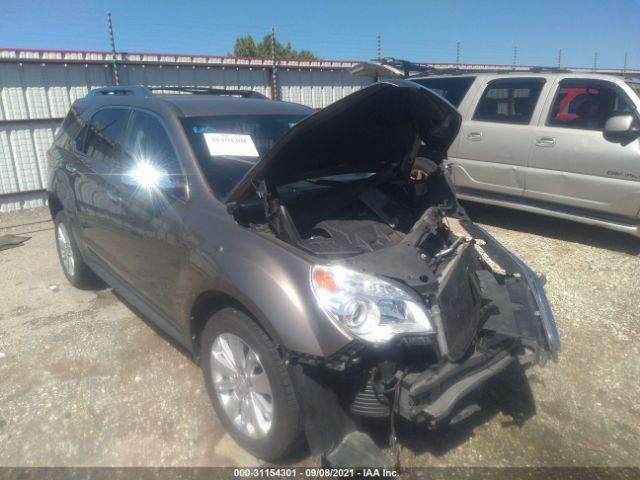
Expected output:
(249, 385)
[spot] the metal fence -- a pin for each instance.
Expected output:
(38, 87)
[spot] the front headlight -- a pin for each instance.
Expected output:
(368, 307)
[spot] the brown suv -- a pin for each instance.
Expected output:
(305, 258)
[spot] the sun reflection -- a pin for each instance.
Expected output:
(151, 180)
(146, 175)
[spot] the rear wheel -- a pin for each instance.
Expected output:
(249, 385)
(75, 269)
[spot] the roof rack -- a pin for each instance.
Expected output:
(135, 90)
(140, 91)
(460, 71)
(550, 70)
(210, 91)
(389, 66)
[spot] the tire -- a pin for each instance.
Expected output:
(283, 433)
(75, 269)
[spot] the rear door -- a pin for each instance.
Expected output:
(99, 147)
(572, 163)
(495, 138)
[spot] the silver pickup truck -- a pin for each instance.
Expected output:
(559, 144)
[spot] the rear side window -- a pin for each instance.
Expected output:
(148, 142)
(105, 135)
(453, 89)
(509, 101)
(587, 104)
(71, 126)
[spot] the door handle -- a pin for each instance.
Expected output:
(474, 136)
(545, 142)
(70, 167)
(114, 197)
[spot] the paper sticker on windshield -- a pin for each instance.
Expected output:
(230, 144)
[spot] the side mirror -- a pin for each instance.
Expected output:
(621, 126)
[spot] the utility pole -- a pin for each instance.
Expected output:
(624, 69)
(515, 56)
(274, 67)
(379, 46)
(595, 61)
(114, 80)
(559, 58)
(457, 54)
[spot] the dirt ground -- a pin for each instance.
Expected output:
(85, 382)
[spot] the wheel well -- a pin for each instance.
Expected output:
(205, 306)
(55, 205)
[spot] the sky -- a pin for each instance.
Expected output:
(416, 30)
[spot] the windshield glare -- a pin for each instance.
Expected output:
(227, 147)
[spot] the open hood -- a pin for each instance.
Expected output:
(370, 130)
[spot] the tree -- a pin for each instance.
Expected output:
(247, 47)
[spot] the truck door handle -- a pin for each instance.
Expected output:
(545, 142)
(114, 197)
(474, 136)
(70, 167)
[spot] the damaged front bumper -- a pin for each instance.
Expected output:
(431, 378)
(433, 395)
(514, 265)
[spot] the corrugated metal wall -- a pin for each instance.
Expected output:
(33, 99)
(37, 89)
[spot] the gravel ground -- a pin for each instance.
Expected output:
(86, 382)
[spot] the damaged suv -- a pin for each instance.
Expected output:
(316, 264)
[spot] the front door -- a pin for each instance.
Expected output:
(148, 186)
(573, 164)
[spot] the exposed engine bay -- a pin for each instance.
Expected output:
(388, 224)
(399, 227)
(376, 218)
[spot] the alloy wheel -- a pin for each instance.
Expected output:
(242, 385)
(66, 250)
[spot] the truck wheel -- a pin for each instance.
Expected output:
(75, 269)
(249, 385)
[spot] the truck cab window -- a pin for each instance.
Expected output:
(509, 101)
(453, 89)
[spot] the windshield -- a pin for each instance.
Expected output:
(635, 86)
(227, 147)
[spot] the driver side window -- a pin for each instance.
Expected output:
(587, 105)
(148, 142)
